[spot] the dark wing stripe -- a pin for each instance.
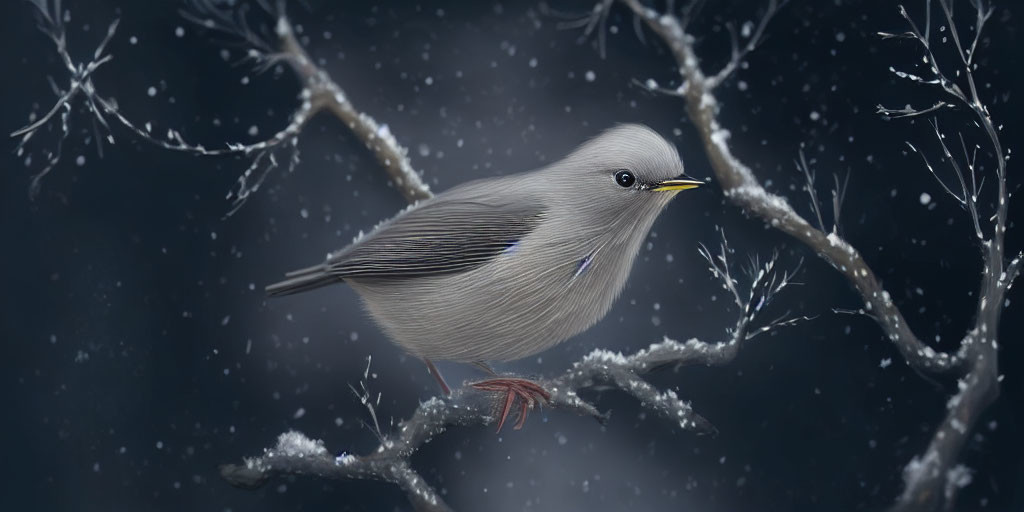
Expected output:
(437, 238)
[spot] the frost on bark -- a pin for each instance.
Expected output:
(933, 478)
(265, 48)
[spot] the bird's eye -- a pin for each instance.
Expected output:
(625, 178)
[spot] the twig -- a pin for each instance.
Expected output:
(743, 189)
(319, 93)
(812, 191)
(933, 479)
(838, 197)
(325, 94)
(908, 111)
(739, 53)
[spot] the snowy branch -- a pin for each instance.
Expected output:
(325, 94)
(738, 52)
(740, 185)
(742, 188)
(598, 370)
(319, 93)
(79, 84)
(932, 479)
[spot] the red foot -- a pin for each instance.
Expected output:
(527, 391)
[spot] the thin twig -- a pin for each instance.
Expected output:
(932, 480)
(740, 53)
(319, 93)
(812, 191)
(743, 189)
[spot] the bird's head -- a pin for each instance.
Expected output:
(627, 172)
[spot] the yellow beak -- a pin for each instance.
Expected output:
(683, 182)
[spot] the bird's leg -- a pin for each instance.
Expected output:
(437, 375)
(527, 391)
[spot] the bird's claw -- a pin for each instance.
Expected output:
(527, 391)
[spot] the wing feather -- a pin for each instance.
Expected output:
(437, 238)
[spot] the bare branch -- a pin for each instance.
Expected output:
(598, 20)
(890, 35)
(233, 23)
(931, 170)
(651, 85)
(738, 53)
(367, 401)
(1012, 270)
(838, 197)
(969, 199)
(939, 79)
(933, 479)
(909, 111)
(801, 165)
(319, 93)
(719, 267)
(327, 95)
(79, 83)
(743, 189)
(690, 11)
(983, 14)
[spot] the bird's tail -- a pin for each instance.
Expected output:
(302, 280)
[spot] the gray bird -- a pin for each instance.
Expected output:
(501, 268)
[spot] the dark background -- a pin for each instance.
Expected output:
(141, 352)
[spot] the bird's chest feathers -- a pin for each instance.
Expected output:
(578, 273)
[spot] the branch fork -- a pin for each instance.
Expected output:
(931, 480)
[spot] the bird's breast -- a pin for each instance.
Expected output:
(537, 293)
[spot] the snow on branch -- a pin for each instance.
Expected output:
(743, 189)
(931, 480)
(51, 23)
(601, 369)
(319, 93)
(738, 52)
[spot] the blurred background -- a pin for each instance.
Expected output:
(141, 352)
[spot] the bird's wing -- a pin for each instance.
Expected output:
(437, 238)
